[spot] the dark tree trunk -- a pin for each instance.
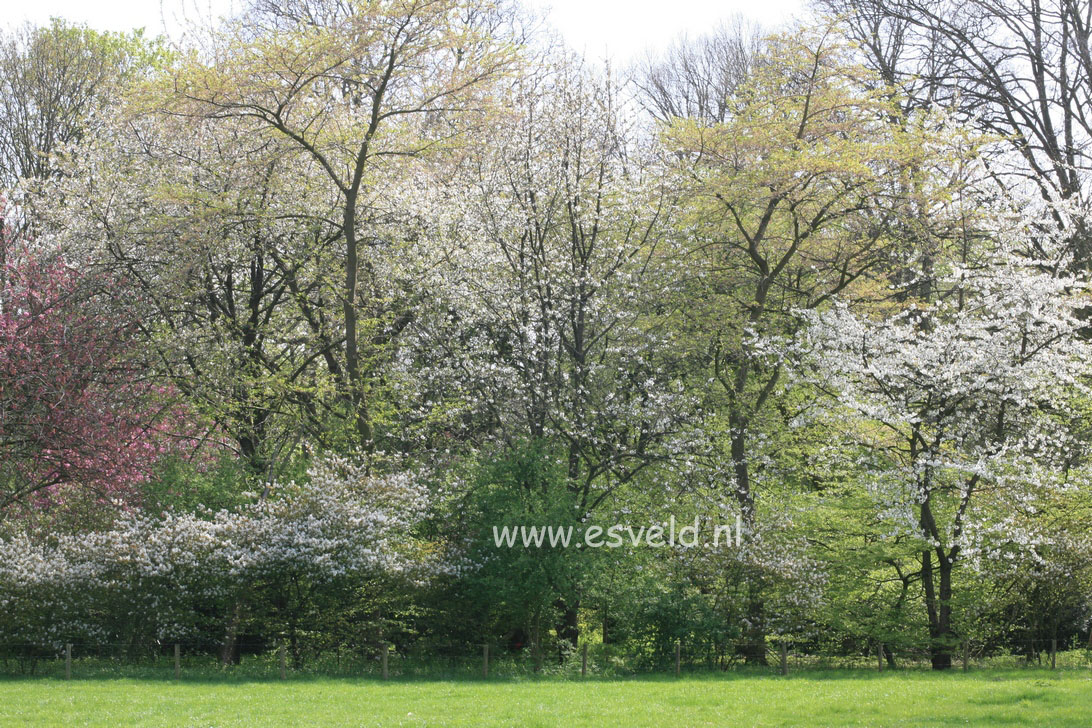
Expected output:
(294, 648)
(568, 629)
(355, 395)
(229, 650)
(938, 602)
(753, 648)
(250, 447)
(609, 627)
(754, 645)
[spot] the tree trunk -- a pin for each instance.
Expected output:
(568, 630)
(355, 384)
(294, 648)
(754, 646)
(609, 625)
(536, 645)
(938, 603)
(250, 447)
(229, 650)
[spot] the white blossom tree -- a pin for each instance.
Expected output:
(962, 405)
(547, 322)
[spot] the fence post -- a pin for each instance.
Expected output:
(485, 660)
(177, 661)
(584, 660)
(68, 661)
(283, 660)
(879, 657)
(1053, 652)
(784, 658)
(384, 654)
(966, 656)
(678, 657)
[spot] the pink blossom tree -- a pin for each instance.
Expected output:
(76, 409)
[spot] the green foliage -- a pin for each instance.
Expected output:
(184, 486)
(518, 587)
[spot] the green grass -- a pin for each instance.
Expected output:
(815, 698)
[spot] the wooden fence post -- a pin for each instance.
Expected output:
(283, 660)
(678, 657)
(879, 656)
(485, 660)
(68, 661)
(584, 660)
(177, 661)
(784, 658)
(966, 656)
(1053, 652)
(384, 654)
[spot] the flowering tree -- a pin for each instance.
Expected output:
(543, 327)
(794, 198)
(224, 242)
(74, 409)
(561, 254)
(962, 405)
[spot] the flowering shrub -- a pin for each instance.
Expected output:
(151, 576)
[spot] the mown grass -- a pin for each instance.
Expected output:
(810, 698)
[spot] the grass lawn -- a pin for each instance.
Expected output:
(819, 698)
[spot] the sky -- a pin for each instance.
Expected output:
(619, 29)
(625, 29)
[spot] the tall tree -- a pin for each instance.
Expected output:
(216, 231)
(695, 78)
(963, 407)
(353, 87)
(793, 200)
(1019, 69)
(55, 81)
(547, 325)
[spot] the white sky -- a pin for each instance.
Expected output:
(625, 29)
(621, 28)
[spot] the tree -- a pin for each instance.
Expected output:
(1018, 69)
(697, 78)
(55, 81)
(545, 326)
(75, 408)
(213, 228)
(352, 88)
(793, 200)
(961, 405)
